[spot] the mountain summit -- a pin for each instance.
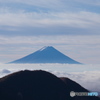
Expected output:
(47, 54)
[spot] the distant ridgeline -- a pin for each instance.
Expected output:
(47, 54)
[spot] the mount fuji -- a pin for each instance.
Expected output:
(47, 54)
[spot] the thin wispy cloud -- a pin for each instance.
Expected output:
(68, 40)
(90, 2)
(53, 3)
(34, 19)
(66, 15)
(48, 4)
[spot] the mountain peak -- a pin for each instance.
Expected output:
(47, 54)
(46, 47)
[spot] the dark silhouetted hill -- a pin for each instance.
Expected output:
(39, 85)
(74, 86)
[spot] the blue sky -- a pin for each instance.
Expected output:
(71, 26)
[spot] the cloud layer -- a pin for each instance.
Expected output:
(49, 17)
(86, 75)
(13, 21)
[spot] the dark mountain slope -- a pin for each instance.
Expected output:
(39, 85)
(77, 88)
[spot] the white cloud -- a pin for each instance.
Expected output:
(52, 4)
(86, 75)
(90, 2)
(64, 39)
(41, 19)
(88, 79)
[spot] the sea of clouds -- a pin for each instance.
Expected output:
(86, 75)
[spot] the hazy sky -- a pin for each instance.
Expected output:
(71, 26)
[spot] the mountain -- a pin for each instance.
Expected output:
(41, 85)
(75, 87)
(47, 54)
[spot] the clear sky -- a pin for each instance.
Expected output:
(71, 26)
